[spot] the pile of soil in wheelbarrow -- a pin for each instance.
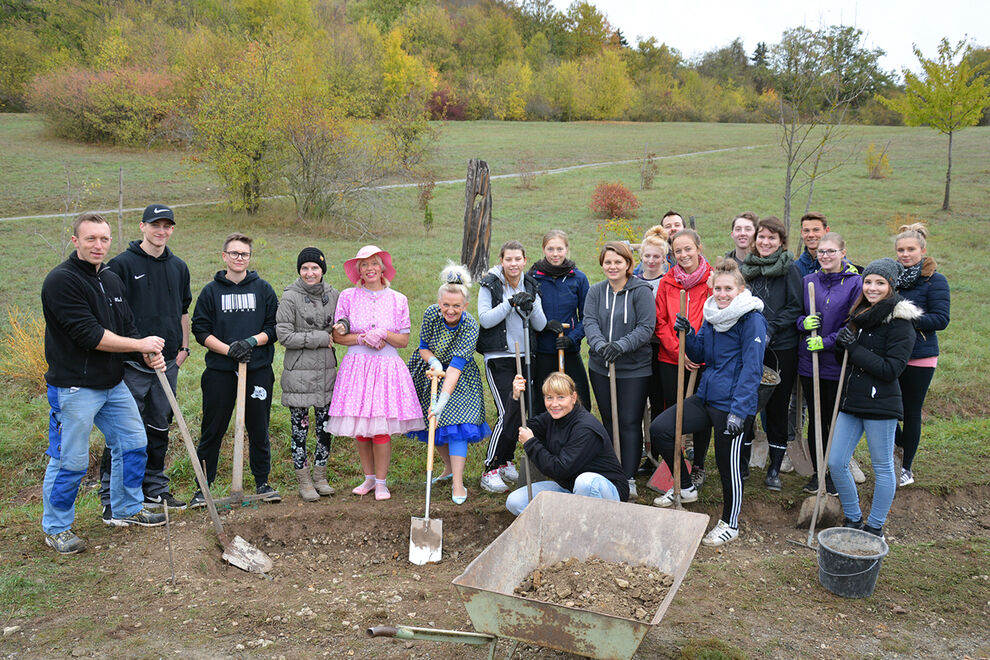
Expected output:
(634, 592)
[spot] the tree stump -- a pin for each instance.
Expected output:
(477, 218)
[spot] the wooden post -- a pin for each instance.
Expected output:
(477, 218)
(121, 245)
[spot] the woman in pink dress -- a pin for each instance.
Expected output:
(374, 396)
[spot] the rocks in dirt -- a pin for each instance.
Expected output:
(634, 592)
(10, 630)
(830, 514)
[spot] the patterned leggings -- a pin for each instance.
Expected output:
(300, 429)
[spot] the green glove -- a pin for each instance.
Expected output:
(812, 321)
(815, 344)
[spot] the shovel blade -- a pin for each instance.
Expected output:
(246, 557)
(662, 480)
(425, 540)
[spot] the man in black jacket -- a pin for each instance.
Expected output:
(156, 287)
(89, 332)
(235, 319)
(568, 444)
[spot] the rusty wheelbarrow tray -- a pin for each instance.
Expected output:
(559, 526)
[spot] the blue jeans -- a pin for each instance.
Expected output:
(880, 441)
(589, 484)
(74, 410)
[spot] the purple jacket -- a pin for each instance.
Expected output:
(835, 294)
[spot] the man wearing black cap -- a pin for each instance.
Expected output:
(156, 286)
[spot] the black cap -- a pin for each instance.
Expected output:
(311, 255)
(158, 212)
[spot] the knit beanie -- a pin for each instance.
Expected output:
(311, 254)
(886, 268)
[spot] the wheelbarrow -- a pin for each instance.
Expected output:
(556, 527)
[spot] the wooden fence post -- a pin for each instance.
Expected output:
(477, 218)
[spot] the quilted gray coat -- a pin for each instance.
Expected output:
(303, 324)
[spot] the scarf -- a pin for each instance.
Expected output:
(908, 278)
(547, 268)
(315, 291)
(723, 319)
(776, 265)
(689, 281)
(864, 318)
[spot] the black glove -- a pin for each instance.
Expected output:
(564, 343)
(554, 326)
(523, 301)
(240, 350)
(682, 324)
(610, 352)
(733, 425)
(845, 338)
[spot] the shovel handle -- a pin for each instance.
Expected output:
(679, 414)
(237, 479)
(431, 435)
(560, 351)
(522, 412)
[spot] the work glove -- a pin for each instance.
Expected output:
(845, 338)
(610, 352)
(436, 364)
(812, 321)
(523, 301)
(815, 344)
(554, 326)
(564, 343)
(682, 324)
(437, 408)
(240, 350)
(733, 425)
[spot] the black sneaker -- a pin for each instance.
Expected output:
(158, 501)
(830, 487)
(812, 485)
(108, 517)
(773, 481)
(853, 524)
(698, 477)
(197, 501)
(876, 531)
(144, 518)
(744, 470)
(270, 494)
(65, 543)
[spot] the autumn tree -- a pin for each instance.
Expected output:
(948, 97)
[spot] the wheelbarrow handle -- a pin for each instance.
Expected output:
(382, 631)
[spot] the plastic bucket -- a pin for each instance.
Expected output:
(849, 561)
(769, 381)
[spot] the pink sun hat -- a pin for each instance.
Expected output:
(368, 251)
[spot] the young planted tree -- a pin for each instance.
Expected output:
(949, 97)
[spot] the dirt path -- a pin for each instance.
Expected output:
(341, 566)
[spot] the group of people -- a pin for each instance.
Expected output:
(109, 327)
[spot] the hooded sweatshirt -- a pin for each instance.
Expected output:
(157, 289)
(497, 317)
(230, 312)
(628, 318)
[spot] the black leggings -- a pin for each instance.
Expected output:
(785, 362)
(631, 394)
(502, 444)
(545, 364)
(698, 415)
(668, 378)
(828, 390)
(914, 387)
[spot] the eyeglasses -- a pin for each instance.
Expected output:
(243, 256)
(828, 253)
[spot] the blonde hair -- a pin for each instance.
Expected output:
(657, 237)
(560, 384)
(917, 230)
(834, 237)
(556, 233)
(455, 278)
(728, 267)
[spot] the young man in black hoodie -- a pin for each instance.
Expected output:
(89, 332)
(156, 286)
(235, 319)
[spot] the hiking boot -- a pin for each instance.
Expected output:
(320, 480)
(492, 482)
(697, 477)
(632, 490)
(270, 494)
(197, 501)
(108, 517)
(853, 524)
(306, 490)
(720, 535)
(157, 501)
(786, 465)
(65, 543)
(508, 472)
(773, 481)
(667, 499)
(857, 472)
(907, 478)
(144, 518)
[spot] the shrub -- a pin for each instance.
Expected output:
(648, 170)
(23, 357)
(617, 229)
(443, 105)
(614, 200)
(877, 163)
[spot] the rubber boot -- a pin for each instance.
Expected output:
(320, 480)
(773, 469)
(306, 490)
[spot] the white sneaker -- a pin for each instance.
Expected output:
(857, 472)
(492, 482)
(508, 472)
(720, 534)
(907, 478)
(632, 489)
(667, 499)
(786, 465)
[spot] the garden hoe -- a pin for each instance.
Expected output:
(426, 534)
(236, 552)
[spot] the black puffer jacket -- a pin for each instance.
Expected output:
(876, 360)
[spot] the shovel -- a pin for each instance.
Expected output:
(560, 351)
(522, 412)
(679, 415)
(426, 534)
(238, 552)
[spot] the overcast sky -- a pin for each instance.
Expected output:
(696, 26)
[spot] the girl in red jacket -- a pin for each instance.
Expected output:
(691, 272)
